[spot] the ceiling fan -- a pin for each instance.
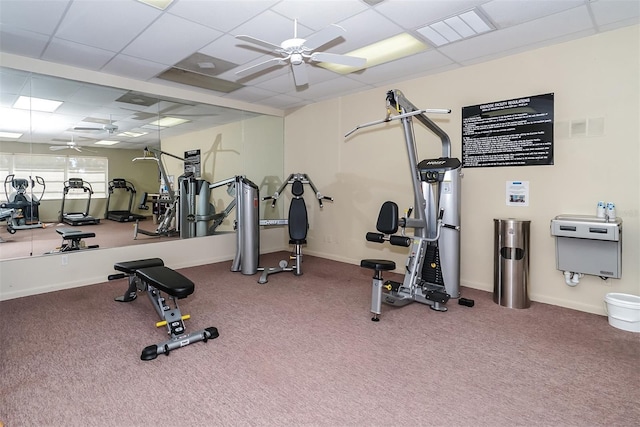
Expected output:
(71, 145)
(297, 51)
(110, 128)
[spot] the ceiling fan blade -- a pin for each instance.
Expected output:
(261, 66)
(324, 36)
(258, 42)
(87, 129)
(58, 147)
(334, 58)
(300, 74)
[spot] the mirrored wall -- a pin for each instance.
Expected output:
(123, 145)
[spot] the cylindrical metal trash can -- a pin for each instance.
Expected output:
(511, 263)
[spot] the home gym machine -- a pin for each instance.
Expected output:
(169, 199)
(77, 218)
(432, 271)
(121, 215)
(297, 221)
(21, 208)
(156, 280)
(197, 216)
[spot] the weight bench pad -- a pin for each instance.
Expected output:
(73, 234)
(166, 280)
(130, 267)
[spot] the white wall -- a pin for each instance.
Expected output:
(592, 78)
(595, 77)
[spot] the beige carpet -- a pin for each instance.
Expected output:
(302, 351)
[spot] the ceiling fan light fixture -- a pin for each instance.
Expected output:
(387, 50)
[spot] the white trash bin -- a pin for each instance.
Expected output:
(623, 311)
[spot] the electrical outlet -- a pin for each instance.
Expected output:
(65, 259)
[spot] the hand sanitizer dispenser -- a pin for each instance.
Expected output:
(588, 245)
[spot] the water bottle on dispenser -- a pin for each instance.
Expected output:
(611, 211)
(601, 209)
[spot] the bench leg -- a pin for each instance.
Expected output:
(152, 351)
(132, 290)
(172, 318)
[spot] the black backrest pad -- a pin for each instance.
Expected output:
(388, 218)
(166, 280)
(130, 267)
(298, 220)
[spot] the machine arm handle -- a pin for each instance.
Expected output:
(375, 237)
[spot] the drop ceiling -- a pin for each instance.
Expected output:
(135, 40)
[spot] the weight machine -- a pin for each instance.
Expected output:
(432, 271)
(166, 226)
(198, 217)
(297, 221)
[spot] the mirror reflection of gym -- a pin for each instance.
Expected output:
(227, 149)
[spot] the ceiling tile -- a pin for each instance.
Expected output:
(548, 28)
(160, 43)
(270, 27)
(429, 60)
(99, 24)
(75, 54)
(606, 12)
(231, 49)
(22, 42)
(136, 68)
(359, 31)
(41, 16)
(506, 13)
(416, 13)
(210, 13)
(322, 14)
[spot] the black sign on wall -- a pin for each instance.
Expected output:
(192, 163)
(515, 132)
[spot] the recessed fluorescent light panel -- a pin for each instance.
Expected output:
(463, 26)
(158, 4)
(37, 104)
(10, 135)
(105, 142)
(131, 134)
(167, 122)
(387, 50)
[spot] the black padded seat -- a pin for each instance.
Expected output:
(74, 234)
(166, 280)
(130, 267)
(378, 264)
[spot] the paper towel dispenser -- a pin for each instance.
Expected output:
(588, 244)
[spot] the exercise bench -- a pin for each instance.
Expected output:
(152, 276)
(72, 239)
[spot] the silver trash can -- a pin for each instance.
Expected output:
(511, 263)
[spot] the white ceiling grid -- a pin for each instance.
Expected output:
(134, 40)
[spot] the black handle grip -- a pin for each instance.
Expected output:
(400, 241)
(375, 237)
(116, 276)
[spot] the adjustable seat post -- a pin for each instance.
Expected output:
(379, 265)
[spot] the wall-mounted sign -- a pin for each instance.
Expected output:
(192, 163)
(515, 132)
(517, 193)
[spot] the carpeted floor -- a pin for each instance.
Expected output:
(302, 351)
(39, 241)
